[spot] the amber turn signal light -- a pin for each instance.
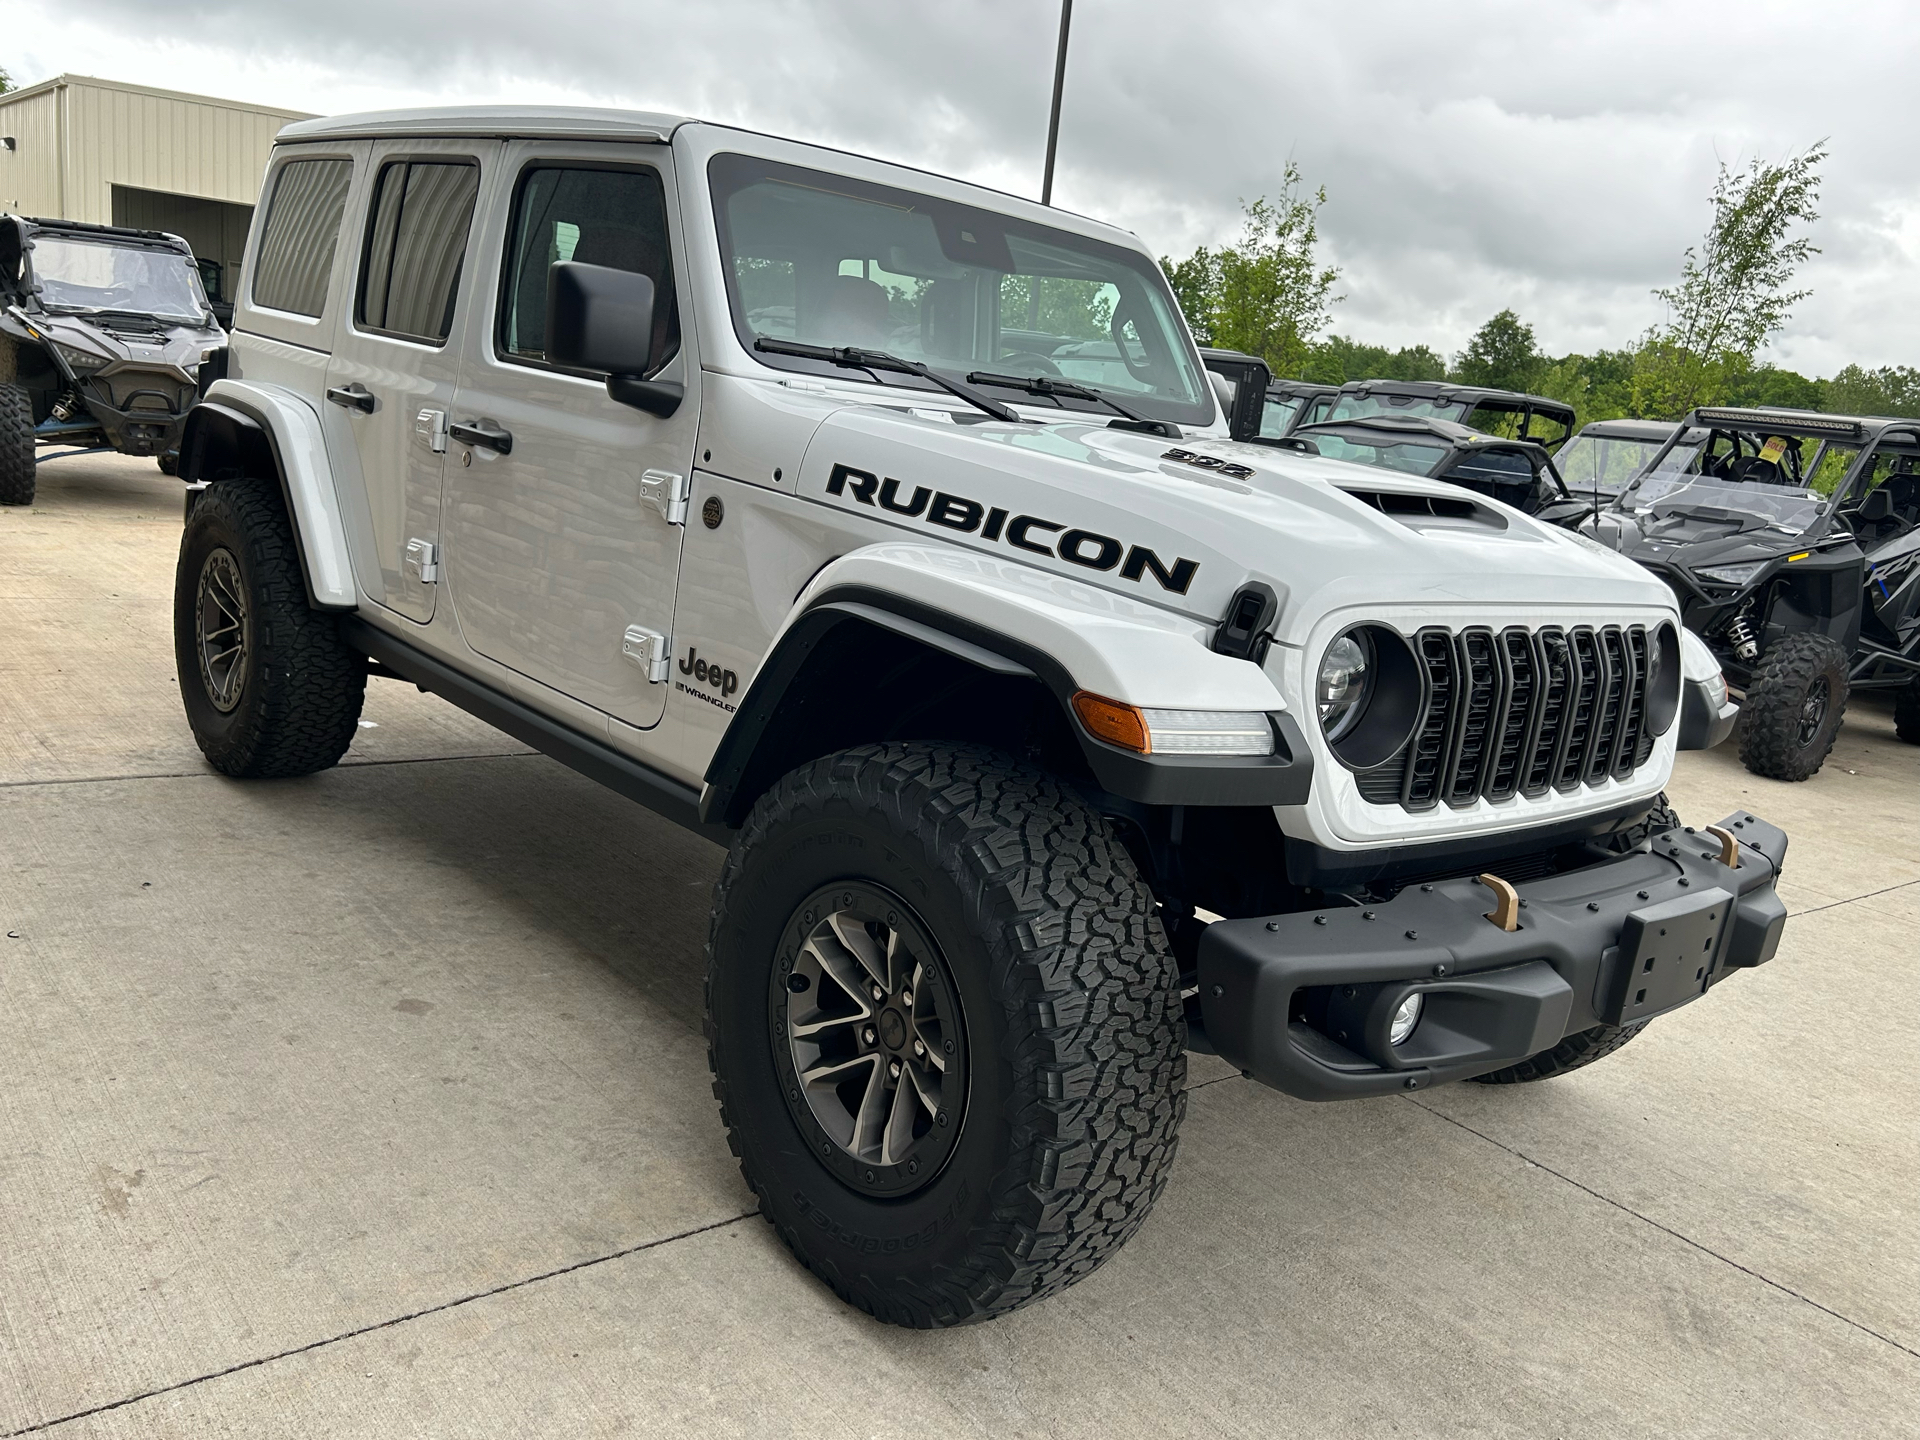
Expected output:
(1114, 722)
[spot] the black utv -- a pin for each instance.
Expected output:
(1792, 540)
(1519, 473)
(104, 337)
(1507, 414)
(1259, 407)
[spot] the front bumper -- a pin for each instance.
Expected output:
(1613, 944)
(1703, 724)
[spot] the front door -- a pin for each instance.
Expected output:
(562, 514)
(390, 381)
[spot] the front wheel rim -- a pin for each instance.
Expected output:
(1813, 709)
(869, 1039)
(220, 629)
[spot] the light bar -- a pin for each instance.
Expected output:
(1776, 420)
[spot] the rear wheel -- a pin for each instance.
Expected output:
(16, 445)
(1906, 713)
(945, 1030)
(270, 688)
(1793, 707)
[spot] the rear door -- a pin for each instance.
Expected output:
(391, 379)
(563, 546)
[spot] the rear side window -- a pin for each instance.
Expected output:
(416, 240)
(616, 218)
(303, 225)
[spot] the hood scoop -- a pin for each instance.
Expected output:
(1431, 512)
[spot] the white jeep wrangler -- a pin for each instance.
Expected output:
(886, 530)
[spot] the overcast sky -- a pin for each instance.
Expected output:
(1552, 158)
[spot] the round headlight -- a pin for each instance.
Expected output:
(1346, 675)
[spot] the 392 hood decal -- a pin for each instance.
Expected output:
(1031, 533)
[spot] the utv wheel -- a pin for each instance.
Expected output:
(16, 445)
(1579, 1049)
(945, 1030)
(169, 463)
(1906, 713)
(270, 688)
(1793, 707)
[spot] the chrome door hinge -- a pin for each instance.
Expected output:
(423, 562)
(431, 426)
(647, 649)
(667, 493)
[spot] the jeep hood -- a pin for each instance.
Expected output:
(1186, 523)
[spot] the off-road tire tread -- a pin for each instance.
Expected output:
(1657, 821)
(1579, 1049)
(1906, 712)
(314, 682)
(1090, 996)
(1770, 715)
(17, 475)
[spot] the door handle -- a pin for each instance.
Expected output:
(483, 434)
(354, 397)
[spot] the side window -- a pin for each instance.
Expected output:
(303, 225)
(416, 239)
(616, 218)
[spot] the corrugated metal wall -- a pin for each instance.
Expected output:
(132, 136)
(30, 172)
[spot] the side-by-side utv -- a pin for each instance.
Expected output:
(103, 335)
(1792, 540)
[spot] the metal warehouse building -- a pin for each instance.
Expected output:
(76, 148)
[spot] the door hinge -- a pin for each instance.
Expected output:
(647, 649)
(667, 493)
(423, 561)
(431, 426)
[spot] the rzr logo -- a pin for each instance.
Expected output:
(1023, 532)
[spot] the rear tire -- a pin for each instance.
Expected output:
(1906, 713)
(1579, 1049)
(1794, 707)
(270, 688)
(17, 474)
(1059, 1012)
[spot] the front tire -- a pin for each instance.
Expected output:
(1794, 707)
(17, 475)
(1573, 1053)
(1044, 985)
(270, 688)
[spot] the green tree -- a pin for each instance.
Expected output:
(1734, 289)
(1501, 355)
(1337, 359)
(1268, 295)
(1890, 390)
(6, 80)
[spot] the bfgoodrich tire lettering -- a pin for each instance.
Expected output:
(1072, 1024)
(289, 701)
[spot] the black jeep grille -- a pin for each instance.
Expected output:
(1520, 712)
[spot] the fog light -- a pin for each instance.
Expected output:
(1404, 1019)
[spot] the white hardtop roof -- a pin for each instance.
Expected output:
(542, 121)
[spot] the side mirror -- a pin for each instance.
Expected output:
(599, 318)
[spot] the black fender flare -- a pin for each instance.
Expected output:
(1283, 778)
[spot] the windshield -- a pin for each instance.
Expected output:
(1278, 414)
(1409, 456)
(1606, 462)
(1358, 407)
(1782, 479)
(84, 275)
(827, 260)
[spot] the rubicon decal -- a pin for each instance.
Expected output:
(1023, 532)
(707, 681)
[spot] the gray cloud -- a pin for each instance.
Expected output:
(1555, 159)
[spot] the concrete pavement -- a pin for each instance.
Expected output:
(376, 1104)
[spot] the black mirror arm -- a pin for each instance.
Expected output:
(656, 397)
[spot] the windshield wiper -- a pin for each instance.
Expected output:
(852, 357)
(1049, 388)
